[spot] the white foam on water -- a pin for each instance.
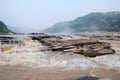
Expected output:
(30, 55)
(21, 58)
(109, 61)
(58, 63)
(40, 59)
(81, 63)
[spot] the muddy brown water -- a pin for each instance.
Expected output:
(19, 72)
(26, 73)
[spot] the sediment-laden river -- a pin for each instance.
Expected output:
(24, 58)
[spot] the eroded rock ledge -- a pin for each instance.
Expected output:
(86, 47)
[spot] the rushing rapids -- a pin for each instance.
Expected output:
(58, 52)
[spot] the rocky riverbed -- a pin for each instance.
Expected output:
(60, 56)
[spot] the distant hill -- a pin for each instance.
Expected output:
(104, 22)
(3, 28)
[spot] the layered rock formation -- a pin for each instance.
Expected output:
(86, 47)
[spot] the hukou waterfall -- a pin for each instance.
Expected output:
(60, 56)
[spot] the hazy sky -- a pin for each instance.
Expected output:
(35, 15)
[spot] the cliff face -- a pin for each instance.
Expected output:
(104, 22)
(3, 28)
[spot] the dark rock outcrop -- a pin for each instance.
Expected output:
(90, 48)
(87, 78)
(86, 47)
(4, 29)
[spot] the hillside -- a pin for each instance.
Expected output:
(3, 28)
(104, 22)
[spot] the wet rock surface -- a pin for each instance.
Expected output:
(86, 47)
